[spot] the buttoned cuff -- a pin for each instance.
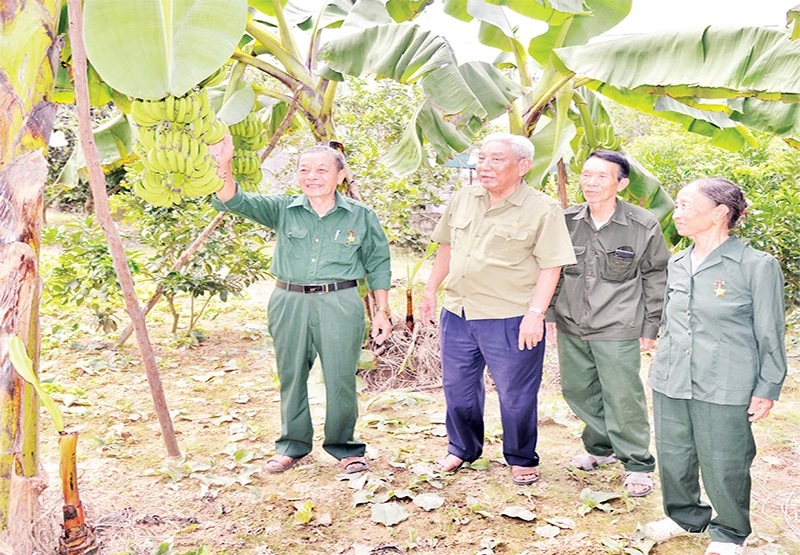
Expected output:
(380, 280)
(767, 391)
(650, 331)
(229, 205)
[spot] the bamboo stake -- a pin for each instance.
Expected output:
(97, 184)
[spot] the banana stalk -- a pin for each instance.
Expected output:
(78, 537)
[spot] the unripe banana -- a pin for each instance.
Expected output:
(140, 115)
(169, 112)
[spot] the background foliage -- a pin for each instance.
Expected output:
(767, 174)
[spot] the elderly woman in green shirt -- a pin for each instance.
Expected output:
(719, 367)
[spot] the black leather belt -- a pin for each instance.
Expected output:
(317, 288)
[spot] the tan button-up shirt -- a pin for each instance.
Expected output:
(497, 252)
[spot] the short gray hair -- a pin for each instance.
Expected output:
(338, 157)
(520, 146)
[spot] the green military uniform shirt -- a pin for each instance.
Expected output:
(722, 336)
(346, 243)
(616, 289)
(497, 252)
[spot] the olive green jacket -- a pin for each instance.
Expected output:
(722, 333)
(346, 243)
(605, 296)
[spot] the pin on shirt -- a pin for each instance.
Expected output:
(351, 238)
(719, 291)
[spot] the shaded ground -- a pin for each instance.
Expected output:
(225, 406)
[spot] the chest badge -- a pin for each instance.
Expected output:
(514, 224)
(719, 291)
(351, 238)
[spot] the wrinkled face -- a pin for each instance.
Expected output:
(318, 175)
(499, 169)
(600, 180)
(695, 213)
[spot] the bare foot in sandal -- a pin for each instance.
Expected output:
(450, 463)
(524, 475)
(638, 484)
(280, 463)
(351, 465)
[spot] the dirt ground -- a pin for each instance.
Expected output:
(225, 406)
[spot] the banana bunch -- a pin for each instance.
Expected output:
(605, 138)
(248, 138)
(173, 138)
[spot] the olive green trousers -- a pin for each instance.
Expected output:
(601, 384)
(694, 437)
(303, 326)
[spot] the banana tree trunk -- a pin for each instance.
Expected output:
(28, 63)
(21, 187)
(97, 184)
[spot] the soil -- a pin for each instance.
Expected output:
(224, 402)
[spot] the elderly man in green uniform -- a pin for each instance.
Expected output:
(502, 245)
(607, 309)
(325, 242)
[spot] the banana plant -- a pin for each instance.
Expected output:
(382, 41)
(28, 65)
(564, 120)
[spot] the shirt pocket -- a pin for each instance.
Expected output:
(735, 369)
(616, 268)
(458, 232)
(662, 362)
(346, 245)
(577, 268)
(294, 241)
(509, 244)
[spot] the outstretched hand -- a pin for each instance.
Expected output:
(222, 152)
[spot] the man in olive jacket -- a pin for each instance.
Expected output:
(607, 309)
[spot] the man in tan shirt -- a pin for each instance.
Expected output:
(503, 245)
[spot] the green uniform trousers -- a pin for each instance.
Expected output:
(302, 326)
(601, 384)
(694, 437)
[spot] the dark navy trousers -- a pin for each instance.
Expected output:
(468, 346)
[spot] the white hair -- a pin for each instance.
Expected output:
(520, 146)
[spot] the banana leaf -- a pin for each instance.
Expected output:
(114, 140)
(721, 128)
(554, 12)
(577, 29)
(551, 143)
(238, 105)
(159, 47)
(475, 92)
(715, 62)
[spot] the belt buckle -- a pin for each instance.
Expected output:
(316, 289)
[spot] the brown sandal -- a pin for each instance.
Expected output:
(277, 466)
(351, 465)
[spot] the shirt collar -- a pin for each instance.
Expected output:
(516, 198)
(732, 248)
(302, 200)
(620, 215)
